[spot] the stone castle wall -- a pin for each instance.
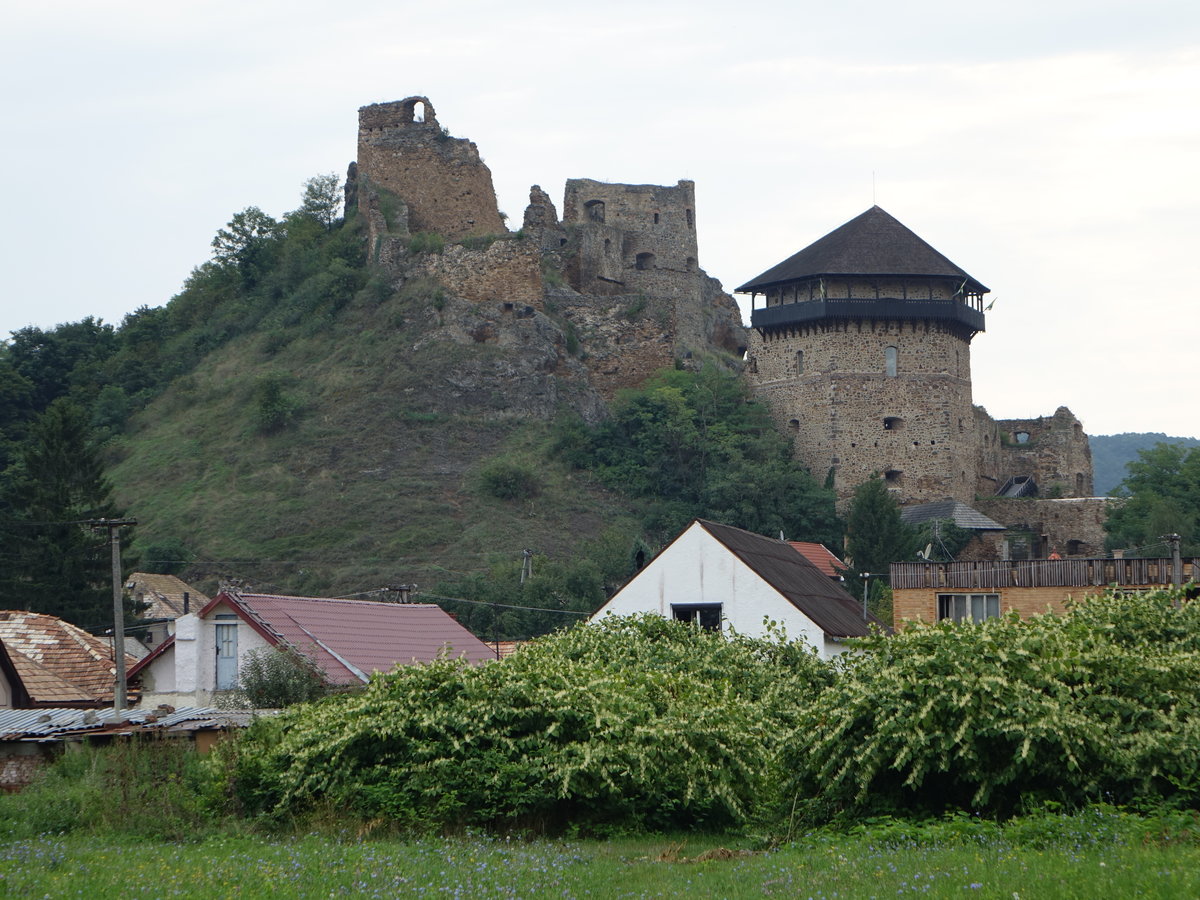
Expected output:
(632, 238)
(443, 182)
(1053, 450)
(1070, 527)
(830, 386)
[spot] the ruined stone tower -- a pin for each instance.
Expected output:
(440, 182)
(863, 351)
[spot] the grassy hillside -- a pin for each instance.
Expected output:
(343, 453)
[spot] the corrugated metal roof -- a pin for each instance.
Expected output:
(955, 511)
(24, 724)
(873, 244)
(808, 589)
(348, 637)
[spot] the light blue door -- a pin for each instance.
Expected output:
(227, 667)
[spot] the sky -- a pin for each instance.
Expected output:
(1050, 149)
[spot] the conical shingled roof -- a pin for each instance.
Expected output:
(873, 244)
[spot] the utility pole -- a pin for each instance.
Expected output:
(114, 527)
(1176, 563)
(526, 565)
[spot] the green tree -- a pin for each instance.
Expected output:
(1160, 496)
(247, 242)
(275, 677)
(322, 199)
(695, 444)
(875, 538)
(51, 561)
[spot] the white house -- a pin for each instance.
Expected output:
(346, 639)
(722, 577)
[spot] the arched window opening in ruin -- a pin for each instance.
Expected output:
(691, 218)
(799, 362)
(645, 261)
(890, 359)
(562, 242)
(794, 424)
(691, 264)
(656, 218)
(1078, 484)
(893, 423)
(595, 210)
(418, 112)
(1021, 437)
(1078, 431)
(607, 247)
(893, 477)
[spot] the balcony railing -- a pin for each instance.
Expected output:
(812, 310)
(1024, 573)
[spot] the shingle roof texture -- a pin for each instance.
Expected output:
(957, 512)
(164, 593)
(348, 637)
(808, 589)
(872, 244)
(66, 651)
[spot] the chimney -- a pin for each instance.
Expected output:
(186, 602)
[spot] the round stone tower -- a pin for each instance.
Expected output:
(863, 351)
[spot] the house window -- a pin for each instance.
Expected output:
(702, 615)
(968, 607)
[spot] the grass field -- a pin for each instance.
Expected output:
(1077, 861)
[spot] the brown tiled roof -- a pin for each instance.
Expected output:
(68, 652)
(47, 689)
(164, 593)
(808, 589)
(18, 694)
(873, 244)
(350, 639)
(820, 556)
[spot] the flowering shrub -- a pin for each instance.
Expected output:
(639, 722)
(1102, 703)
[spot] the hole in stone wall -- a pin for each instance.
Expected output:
(656, 218)
(595, 210)
(893, 476)
(893, 423)
(691, 219)
(645, 261)
(1021, 437)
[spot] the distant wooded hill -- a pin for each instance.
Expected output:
(1111, 452)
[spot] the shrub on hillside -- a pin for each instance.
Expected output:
(637, 722)
(1102, 703)
(509, 479)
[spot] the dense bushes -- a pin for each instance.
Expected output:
(1103, 703)
(647, 723)
(638, 723)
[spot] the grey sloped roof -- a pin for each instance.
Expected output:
(958, 513)
(874, 244)
(808, 589)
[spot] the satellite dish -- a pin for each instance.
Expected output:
(924, 554)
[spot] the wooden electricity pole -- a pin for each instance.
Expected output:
(114, 527)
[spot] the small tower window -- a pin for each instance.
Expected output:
(656, 218)
(893, 477)
(645, 261)
(893, 423)
(890, 357)
(691, 219)
(799, 362)
(595, 210)
(607, 247)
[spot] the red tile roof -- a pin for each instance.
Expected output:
(350, 639)
(820, 556)
(70, 654)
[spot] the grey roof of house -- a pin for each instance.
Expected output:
(811, 591)
(958, 513)
(52, 724)
(873, 244)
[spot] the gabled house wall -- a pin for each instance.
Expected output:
(697, 569)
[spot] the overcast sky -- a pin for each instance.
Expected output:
(1050, 149)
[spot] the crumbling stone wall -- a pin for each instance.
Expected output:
(862, 397)
(508, 272)
(444, 184)
(632, 238)
(1053, 450)
(1072, 527)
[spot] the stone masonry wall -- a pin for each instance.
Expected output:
(1070, 527)
(507, 272)
(1053, 450)
(829, 387)
(632, 238)
(442, 180)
